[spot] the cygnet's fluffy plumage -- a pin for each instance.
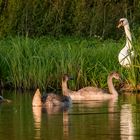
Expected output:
(52, 99)
(94, 93)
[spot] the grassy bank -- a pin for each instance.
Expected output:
(29, 63)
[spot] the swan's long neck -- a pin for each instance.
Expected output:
(128, 37)
(111, 87)
(64, 88)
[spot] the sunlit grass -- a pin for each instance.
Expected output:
(29, 63)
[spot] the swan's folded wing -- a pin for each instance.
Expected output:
(89, 90)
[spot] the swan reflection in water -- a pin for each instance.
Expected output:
(37, 115)
(126, 122)
(65, 120)
(127, 128)
(65, 125)
(37, 112)
(126, 116)
(121, 127)
(120, 123)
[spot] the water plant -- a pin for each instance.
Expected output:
(28, 63)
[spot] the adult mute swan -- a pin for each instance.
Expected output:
(53, 99)
(94, 93)
(126, 53)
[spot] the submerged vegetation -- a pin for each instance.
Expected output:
(28, 63)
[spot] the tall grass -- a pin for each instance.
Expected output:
(29, 63)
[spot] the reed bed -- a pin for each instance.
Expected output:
(28, 63)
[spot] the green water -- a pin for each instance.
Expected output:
(92, 120)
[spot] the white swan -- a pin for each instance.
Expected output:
(94, 93)
(126, 54)
(52, 99)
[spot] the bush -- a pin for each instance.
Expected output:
(66, 17)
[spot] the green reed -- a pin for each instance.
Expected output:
(133, 73)
(40, 62)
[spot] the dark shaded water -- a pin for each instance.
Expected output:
(92, 120)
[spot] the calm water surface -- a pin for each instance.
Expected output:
(93, 120)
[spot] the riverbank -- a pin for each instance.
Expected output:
(28, 63)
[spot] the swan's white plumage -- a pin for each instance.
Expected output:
(126, 54)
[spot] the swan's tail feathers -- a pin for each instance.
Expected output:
(37, 99)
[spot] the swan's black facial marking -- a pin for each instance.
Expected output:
(122, 22)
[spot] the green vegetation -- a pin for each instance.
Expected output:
(67, 17)
(28, 59)
(30, 63)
